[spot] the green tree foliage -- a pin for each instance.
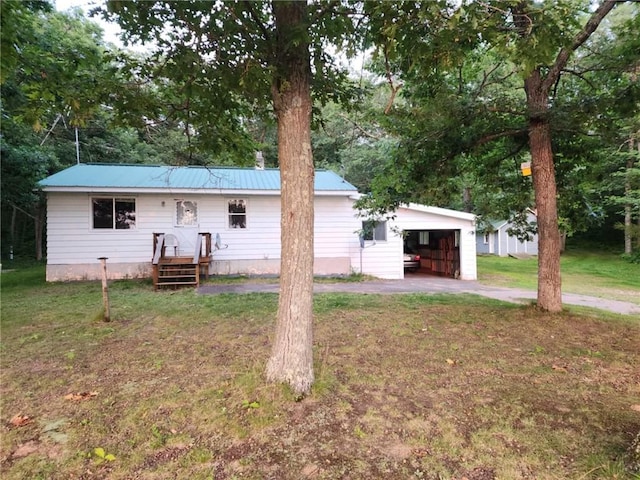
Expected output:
(51, 70)
(211, 69)
(449, 58)
(353, 142)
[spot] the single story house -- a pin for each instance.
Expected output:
(496, 239)
(131, 213)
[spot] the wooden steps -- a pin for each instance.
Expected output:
(176, 275)
(180, 271)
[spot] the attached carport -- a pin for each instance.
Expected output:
(439, 251)
(444, 239)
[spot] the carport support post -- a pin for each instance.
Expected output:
(105, 289)
(361, 238)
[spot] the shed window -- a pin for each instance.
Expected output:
(423, 238)
(237, 211)
(485, 238)
(186, 213)
(374, 230)
(114, 213)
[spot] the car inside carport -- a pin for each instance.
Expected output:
(438, 252)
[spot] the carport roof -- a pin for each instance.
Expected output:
(445, 212)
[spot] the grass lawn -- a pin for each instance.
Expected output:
(584, 272)
(407, 387)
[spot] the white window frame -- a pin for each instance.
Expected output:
(114, 224)
(485, 238)
(176, 220)
(373, 235)
(229, 214)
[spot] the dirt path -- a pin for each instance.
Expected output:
(427, 284)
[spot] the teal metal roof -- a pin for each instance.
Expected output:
(117, 176)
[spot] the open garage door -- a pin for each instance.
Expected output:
(439, 251)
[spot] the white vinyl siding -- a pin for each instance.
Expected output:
(71, 240)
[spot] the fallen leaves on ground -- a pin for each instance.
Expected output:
(20, 420)
(80, 396)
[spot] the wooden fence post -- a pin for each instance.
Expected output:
(105, 289)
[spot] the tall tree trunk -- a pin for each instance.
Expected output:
(291, 358)
(544, 184)
(39, 221)
(628, 225)
(467, 199)
(14, 216)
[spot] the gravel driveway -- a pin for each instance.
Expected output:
(428, 284)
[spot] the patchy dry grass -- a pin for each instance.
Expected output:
(408, 386)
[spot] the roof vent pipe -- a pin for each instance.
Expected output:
(259, 160)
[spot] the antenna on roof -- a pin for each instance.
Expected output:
(77, 148)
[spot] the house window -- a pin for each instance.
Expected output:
(114, 213)
(186, 213)
(423, 238)
(237, 212)
(485, 238)
(374, 230)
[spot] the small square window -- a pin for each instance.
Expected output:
(186, 213)
(237, 212)
(374, 230)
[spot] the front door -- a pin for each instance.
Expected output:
(187, 226)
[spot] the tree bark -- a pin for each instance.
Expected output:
(39, 222)
(544, 184)
(628, 222)
(291, 358)
(537, 88)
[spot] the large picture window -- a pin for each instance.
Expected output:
(374, 230)
(114, 213)
(186, 213)
(237, 211)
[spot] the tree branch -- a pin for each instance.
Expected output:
(580, 76)
(261, 26)
(23, 211)
(394, 89)
(582, 36)
(360, 128)
(495, 136)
